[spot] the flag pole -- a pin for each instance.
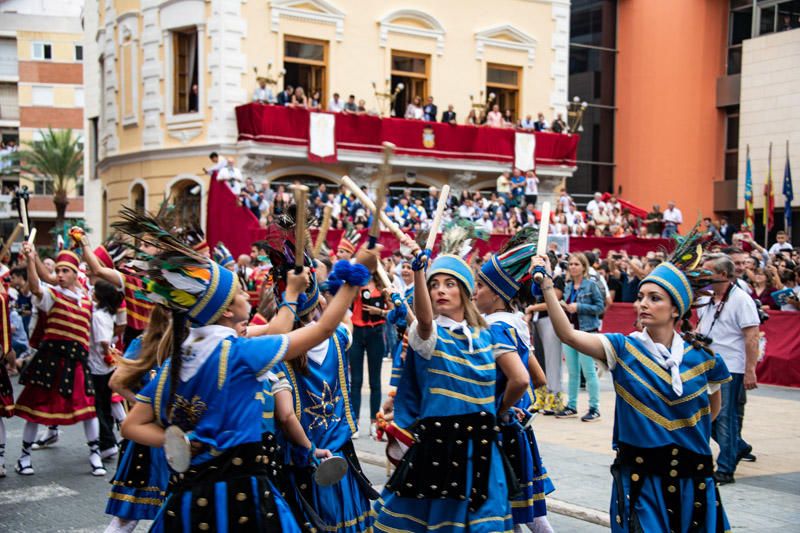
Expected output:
(786, 226)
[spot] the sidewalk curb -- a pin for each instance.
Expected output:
(554, 505)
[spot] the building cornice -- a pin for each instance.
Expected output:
(327, 14)
(434, 29)
(160, 154)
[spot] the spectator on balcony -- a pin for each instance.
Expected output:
(231, 175)
(430, 111)
(531, 187)
(414, 109)
(299, 98)
(517, 187)
(216, 164)
(194, 98)
(467, 210)
(485, 222)
(528, 123)
(655, 222)
(541, 123)
(559, 126)
(672, 219)
(263, 94)
(362, 107)
(472, 118)
(449, 116)
(726, 230)
(316, 101)
(335, 105)
(503, 185)
(285, 96)
(508, 119)
(595, 203)
(500, 223)
(495, 117)
(350, 106)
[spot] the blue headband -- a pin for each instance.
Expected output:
(453, 266)
(668, 277)
(222, 287)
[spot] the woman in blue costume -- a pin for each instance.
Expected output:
(398, 317)
(208, 387)
(453, 477)
(496, 294)
(320, 389)
(140, 482)
(667, 393)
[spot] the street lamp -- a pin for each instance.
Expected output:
(387, 96)
(480, 106)
(575, 111)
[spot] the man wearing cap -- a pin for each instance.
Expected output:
(58, 389)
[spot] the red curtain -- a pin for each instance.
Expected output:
(228, 222)
(365, 133)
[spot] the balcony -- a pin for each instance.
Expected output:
(286, 132)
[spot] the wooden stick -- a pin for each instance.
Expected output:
(384, 277)
(23, 213)
(323, 230)
(364, 199)
(11, 238)
(380, 196)
(544, 228)
(437, 219)
(32, 236)
(300, 192)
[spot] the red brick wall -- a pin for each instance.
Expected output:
(49, 72)
(53, 117)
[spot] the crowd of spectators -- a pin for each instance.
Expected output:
(7, 150)
(415, 110)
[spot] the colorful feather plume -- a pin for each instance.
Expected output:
(515, 255)
(687, 256)
(458, 235)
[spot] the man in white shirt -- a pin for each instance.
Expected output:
(232, 176)
(731, 322)
(335, 105)
(263, 94)
(783, 244)
(594, 204)
(531, 187)
(672, 219)
(466, 210)
(485, 223)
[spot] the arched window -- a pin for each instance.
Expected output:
(186, 196)
(138, 198)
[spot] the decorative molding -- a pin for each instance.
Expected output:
(460, 181)
(134, 183)
(152, 73)
(434, 29)
(559, 69)
(522, 41)
(128, 36)
(310, 170)
(185, 130)
(254, 165)
(161, 154)
(109, 141)
(181, 14)
(227, 65)
(327, 14)
(363, 174)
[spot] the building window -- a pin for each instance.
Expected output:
(412, 70)
(94, 146)
(732, 144)
(42, 186)
(42, 51)
(137, 198)
(504, 82)
(305, 62)
(78, 97)
(186, 90)
(9, 105)
(42, 96)
(8, 57)
(186, 197)
(78, 52)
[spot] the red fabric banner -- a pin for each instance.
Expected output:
(365, 133)
(228, 222)
(781, 363)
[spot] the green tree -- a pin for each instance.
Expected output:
(58, 158)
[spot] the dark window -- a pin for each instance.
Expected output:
(741, 26)
(408, 64)
(733, 132)
(304, 50)
(732, 165)
(186, 90)
(767, 20)
(78, 52)
(735, 59)
(592, 74)
(42, 186)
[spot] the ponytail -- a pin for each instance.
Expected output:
(178, 336)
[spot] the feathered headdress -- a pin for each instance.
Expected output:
(223, 256)
(281, 251)
(679, 275)
(455, 245)
(349, 240)
(508, 269)
(178, 277)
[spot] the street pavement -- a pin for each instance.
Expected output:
(64, 497)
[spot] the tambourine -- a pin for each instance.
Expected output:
(178, 449)
(330, 471)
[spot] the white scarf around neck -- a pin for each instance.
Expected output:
(669, 359)
(456, 327)
(199, 345)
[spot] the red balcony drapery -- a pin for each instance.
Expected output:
(366, 133)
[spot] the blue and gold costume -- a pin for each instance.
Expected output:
(509, 334)
(397, 317)
(663, 472)
(140, 482)
(226, 486)
(322, 404)
(452, 478)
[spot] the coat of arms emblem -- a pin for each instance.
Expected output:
(428, 138)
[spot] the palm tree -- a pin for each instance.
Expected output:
(57, 157)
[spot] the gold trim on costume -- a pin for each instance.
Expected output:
(223, 364)
(278, 356)
(463, 397)
(462, 378)
(462, 361)
(162, 380)
(343, 386)
(669, 425)
(54, 416)
(660, 396)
